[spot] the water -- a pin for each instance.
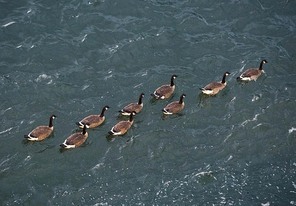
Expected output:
(72, 58)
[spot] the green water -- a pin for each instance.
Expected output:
(72, 58)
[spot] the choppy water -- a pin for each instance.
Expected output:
(72, 58)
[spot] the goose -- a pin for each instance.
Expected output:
(121, 127)
(133, 107)
(94, 120)
(165, 91)
(76, 139)
(175, 107)
(252, 73)
(41, 132)
(215, 87)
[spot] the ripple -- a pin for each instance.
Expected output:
(8, 24)
(7, 130)
(292, 130)
(68, 57)
(44, 78)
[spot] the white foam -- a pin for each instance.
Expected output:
(3, 111)
(7, 130)
(203, 173)
(50, 82)
(98, 166)
(107, 77)
(138, 85)
(8, 24)
(255, 98)
(292, 130)
(42, 77)
(258, 125)
(114, 48)
(85, 87)
(250, 120)
(227, 137)
(229, 158)
(84, 37)
(243, 67)
(28, 158)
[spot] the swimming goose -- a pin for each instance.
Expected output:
(41, 132)
(133, 107)
(165, 91)
(76, 139)
(121, 127)
(94, 120)
(252, 73)
(175, 107)
(215, 87)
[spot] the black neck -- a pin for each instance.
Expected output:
(131, 117)
(140, 99)
(172, 81)
(84, 129)
(181, 99)
(51, 121)
(261, 65)
(103, 112)
(224, 78)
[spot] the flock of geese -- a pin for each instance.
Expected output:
(162, 92)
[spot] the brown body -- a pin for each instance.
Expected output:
(75, 140)
(165, 91)
(94, 120)
(252, 73)
(214, 88)
(133, 107)
(175, 107)
(41, 132)
(123, 126)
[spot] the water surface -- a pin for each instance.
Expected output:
(72, 58)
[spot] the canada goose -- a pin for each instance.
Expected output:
(252, 73)
(133, 107)
(94, 120)
(215, 87)
(175, 107)
(41, 132)
(165, 91)
(121, 127)
(76, 139)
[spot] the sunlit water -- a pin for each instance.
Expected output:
(71, 59)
